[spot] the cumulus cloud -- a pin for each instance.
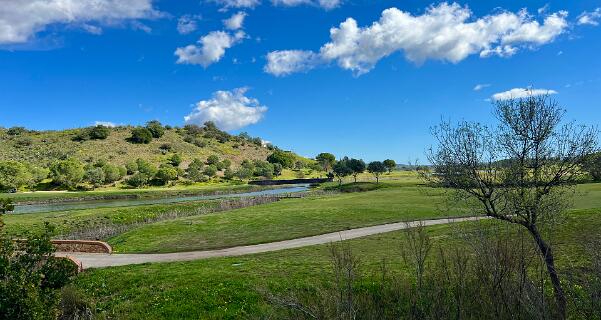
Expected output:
(229, 110)
(105, 123)
(21, 20)
(517, 93)
(281, 63)
(187, 24)
(326, 4)
(235, 22)
(228, 4)
(590, 18)
(481, 86)
(446, 32)
(211, 48)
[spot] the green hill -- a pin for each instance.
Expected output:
(216, 153)
(43, 147)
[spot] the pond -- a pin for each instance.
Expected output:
(92, 204)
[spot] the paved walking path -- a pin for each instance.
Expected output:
(99, 260)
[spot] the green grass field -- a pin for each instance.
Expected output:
(227, 288)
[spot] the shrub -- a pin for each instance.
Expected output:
(145, 167)
(194, 171)
(31, 277)
(131, 167)
(285, 158)
(140, 135)
(95, 176)
(210, 171)
(165, 174)
(175, 160)
(23, 142)
(244, 173)
(213, 159)
(13, 175)
(67, 173)
(156, 128)
(99, 132)
(15, 131)
(138, 180)
(229, 174)
(112, 173)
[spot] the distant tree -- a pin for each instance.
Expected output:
(15, 131)
(390, 165)
(210, 171)
(67, 173)
(138, 180)
(111, 173)
(194, 171)
(165, 147)
(326, 161)
(213, 159)
(165, 174)
(285, 158)
(376, 168)
(13, 175)
(146, 167)
(298, 165)
(520, 172)
(226, 163)
(37, 175)
(94, 176)
(229, 174)
(140, 136)
(357, 166)
(277, 169)
(99, 132)
(175, 160)
(244, 173)
(156, 128)
(593, 166)
(263, 169)
(132, 167)
(341, 169)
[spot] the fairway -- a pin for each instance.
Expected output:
(228, 287)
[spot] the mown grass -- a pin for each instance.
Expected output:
(227, 288)
(286, 219)
(294, 218)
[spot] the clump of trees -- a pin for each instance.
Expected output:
(593, 166)
(67, 173)
(285, 158)
(140, 136)
(15, 175)
(520, 171)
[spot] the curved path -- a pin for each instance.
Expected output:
(100, 260)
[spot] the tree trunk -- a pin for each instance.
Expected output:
(547, 253)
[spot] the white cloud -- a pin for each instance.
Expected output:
(229, 110)
(105, 123)
(187, 24)
(329, 4)
(280, 63)
(481, 86)
(517, 93)
(590, 18)
(235, 22)
(228, 4)
(212, 48)
(21, 20)
(445, 32)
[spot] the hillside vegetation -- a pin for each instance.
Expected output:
(134, 157)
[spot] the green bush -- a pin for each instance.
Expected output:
(13, 175)
(155, 128)
(95, 176)
(30, 277)
(99, 132)
(140, 136)
(195, 172)
(138, 180)
(285, 158)
(67, 173)
(175, 160)
(165, 174)
(210, 171)
(213, 159)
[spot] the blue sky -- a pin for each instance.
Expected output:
(371, 89)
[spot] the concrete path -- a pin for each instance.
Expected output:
(99, 260)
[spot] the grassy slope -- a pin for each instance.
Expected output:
(227, 287)
(49, 145)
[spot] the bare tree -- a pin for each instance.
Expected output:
(520, 172)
